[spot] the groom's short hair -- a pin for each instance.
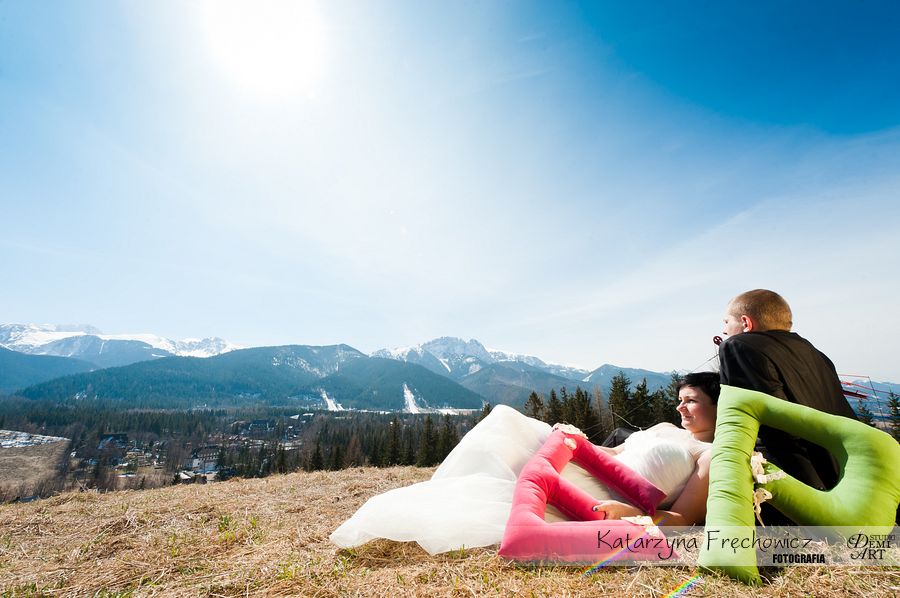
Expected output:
(767, 309)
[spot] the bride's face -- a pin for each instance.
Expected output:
(698, 413)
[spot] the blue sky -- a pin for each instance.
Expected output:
(588, 183)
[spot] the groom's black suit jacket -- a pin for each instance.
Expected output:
(787, 366)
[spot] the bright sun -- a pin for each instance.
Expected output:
(269, 47)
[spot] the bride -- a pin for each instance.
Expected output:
(467, 501)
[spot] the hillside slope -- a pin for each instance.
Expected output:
(291, 374)
(510, 383)
(269, 537)
(18, 370)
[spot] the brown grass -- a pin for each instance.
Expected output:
(29, 470)
(269, 537)
(150, 476)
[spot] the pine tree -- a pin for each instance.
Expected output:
(376, 453)
(894, 406)
(674, 383)
(281, 460)
(661, 409)
(447, 439)
(316, 461)
(584, 413)
(670, 414)
(570, 409)
(426, 455)
(354, 455)
(619, 398)
(572, 412)
(485, 411)
(565, 402)
(408, 455)
(554, 410)
(865, 416)
(604, 417)
(244, 460)
(640, 411)
(393, 444)
(265, 463)
(534, 406)
(337, 457)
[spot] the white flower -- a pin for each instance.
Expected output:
(757, 468)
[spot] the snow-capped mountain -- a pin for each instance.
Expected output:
(27, 338)
(334, 377)
(318, 361)
(494, 375)
(458, 358)
(416, 355)
(503, 377)
(448, 356)
(188, 347)
(448, 346)
(88, 343)
(558, 370)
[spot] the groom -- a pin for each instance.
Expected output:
(761, 353)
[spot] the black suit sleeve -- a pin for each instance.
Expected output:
(745, 367)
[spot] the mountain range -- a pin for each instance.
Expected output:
(444, 374)
(335, 377)
(509, 378)
(87, 343)
(458, 358)
(64, 363)
(61, 362)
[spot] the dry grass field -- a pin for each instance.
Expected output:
(269, 537)
(29, 470)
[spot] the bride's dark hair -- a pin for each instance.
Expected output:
(708, 382)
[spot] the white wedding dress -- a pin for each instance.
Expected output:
(467, 501)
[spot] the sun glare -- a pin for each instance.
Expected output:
(268, 47)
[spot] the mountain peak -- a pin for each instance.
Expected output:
(28, 337)
(82, 340)
(85, 328)
(457, 358)
(449, 346)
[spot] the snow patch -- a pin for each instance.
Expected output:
(29, 338)
(410, 400)
(290, 360)
(399, 353)
(15, 439)
(330, 403)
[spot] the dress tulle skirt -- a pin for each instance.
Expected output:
(467, 501)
